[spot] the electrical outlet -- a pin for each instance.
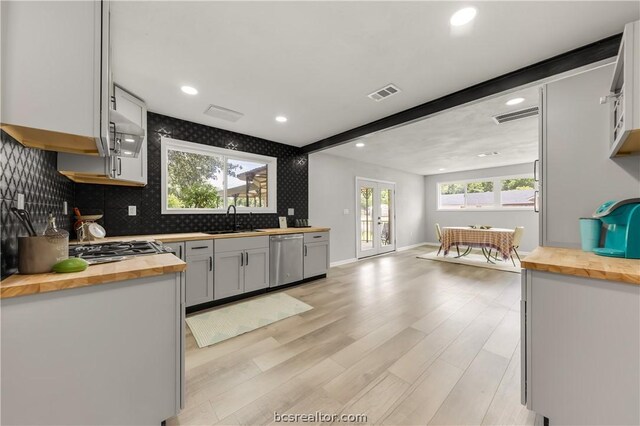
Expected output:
(132, 211)
(21, 201)
(345, 211)
(290, 212)
(65, 208)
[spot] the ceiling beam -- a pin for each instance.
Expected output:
(585, 55)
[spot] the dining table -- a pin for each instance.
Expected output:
(499, 239)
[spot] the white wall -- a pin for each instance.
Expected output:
(332, 182)
(500, 219)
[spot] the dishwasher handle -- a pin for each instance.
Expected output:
(286, 237)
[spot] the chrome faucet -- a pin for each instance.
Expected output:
(235, 219)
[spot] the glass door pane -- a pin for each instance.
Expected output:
(366, 218)
(386, 199)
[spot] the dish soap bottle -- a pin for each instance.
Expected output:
(58, 239)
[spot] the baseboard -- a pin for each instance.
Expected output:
(342, 262)
(412, 246)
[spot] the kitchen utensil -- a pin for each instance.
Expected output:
(90, 217)
(77, 223)
(38, 254)
(96, 231)
(25, 219)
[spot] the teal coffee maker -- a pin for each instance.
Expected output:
(621, 219)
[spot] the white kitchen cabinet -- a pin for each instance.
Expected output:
(199, 275)
(580, 349)
(55, 67)
(624, 98)
(316, 254)
(574, 155)
(241, 266)
(229, 274)
(123, 170)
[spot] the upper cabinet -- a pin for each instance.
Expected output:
(122, 167)
(55, 69)
(624, 132)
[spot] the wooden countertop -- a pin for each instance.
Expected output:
(194, 236)
(583, 264)
(131, 268)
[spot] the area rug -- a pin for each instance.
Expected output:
(226, 322)
(474, 259)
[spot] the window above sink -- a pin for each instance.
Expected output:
(197, 178)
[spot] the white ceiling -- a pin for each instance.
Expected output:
(315, 62)
(453, 139)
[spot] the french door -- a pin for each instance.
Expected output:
(375, 217)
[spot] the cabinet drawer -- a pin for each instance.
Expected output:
(200, 247)
(246, 243)
(316, 237)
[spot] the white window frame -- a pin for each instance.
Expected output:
(497, 206)
(195, 148)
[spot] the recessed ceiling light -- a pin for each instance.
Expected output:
(514, 101)
(129, 140)
(281, 119)
(360, 144)
(488, 154)
(441, 169)
(463, 16)
(189, 90)
(127, 152)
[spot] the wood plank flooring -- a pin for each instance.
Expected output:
(403, 341)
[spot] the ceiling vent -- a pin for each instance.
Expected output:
(223, 113)
(384, 93)
(516, 115)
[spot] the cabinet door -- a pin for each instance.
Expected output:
(128, 168)
(316, 259)
(199, 280)
(256, 269)
(229, 274)
(51, 57)
(178, 249)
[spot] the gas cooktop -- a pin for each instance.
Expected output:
(112, 251)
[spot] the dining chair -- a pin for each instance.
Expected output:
(439, 235)
(517, 238)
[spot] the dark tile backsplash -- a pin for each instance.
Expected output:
(31, 172)
(113, 200)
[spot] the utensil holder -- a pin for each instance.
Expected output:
(37, 255)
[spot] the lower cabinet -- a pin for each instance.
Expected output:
(316, 254)
(199, 273)
(241, 266)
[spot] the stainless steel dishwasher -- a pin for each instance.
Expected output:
(285, 264)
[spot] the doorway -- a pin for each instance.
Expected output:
(375, 217)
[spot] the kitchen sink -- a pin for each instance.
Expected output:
(229, 231)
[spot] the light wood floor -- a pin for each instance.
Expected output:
(404, 341)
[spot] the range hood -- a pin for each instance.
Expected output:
(126, 136)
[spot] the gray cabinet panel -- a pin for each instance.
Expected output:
(575, 156)
(583, 346)
(199, 279)
(316, 259)
(244, 243)
(256, 269)
(229, 274)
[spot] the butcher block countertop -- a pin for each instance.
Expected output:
(130, 268)
(583, 264)
(195, 236)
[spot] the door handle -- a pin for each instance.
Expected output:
(241, 259)
(210, 263)
(119, 166)
(305, 250)
(535, 201)
(199, 247)
(535, 170)
(246, 258)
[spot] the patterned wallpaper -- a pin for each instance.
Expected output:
(31, 172)
(113, 200)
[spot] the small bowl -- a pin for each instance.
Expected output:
(89, 217)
